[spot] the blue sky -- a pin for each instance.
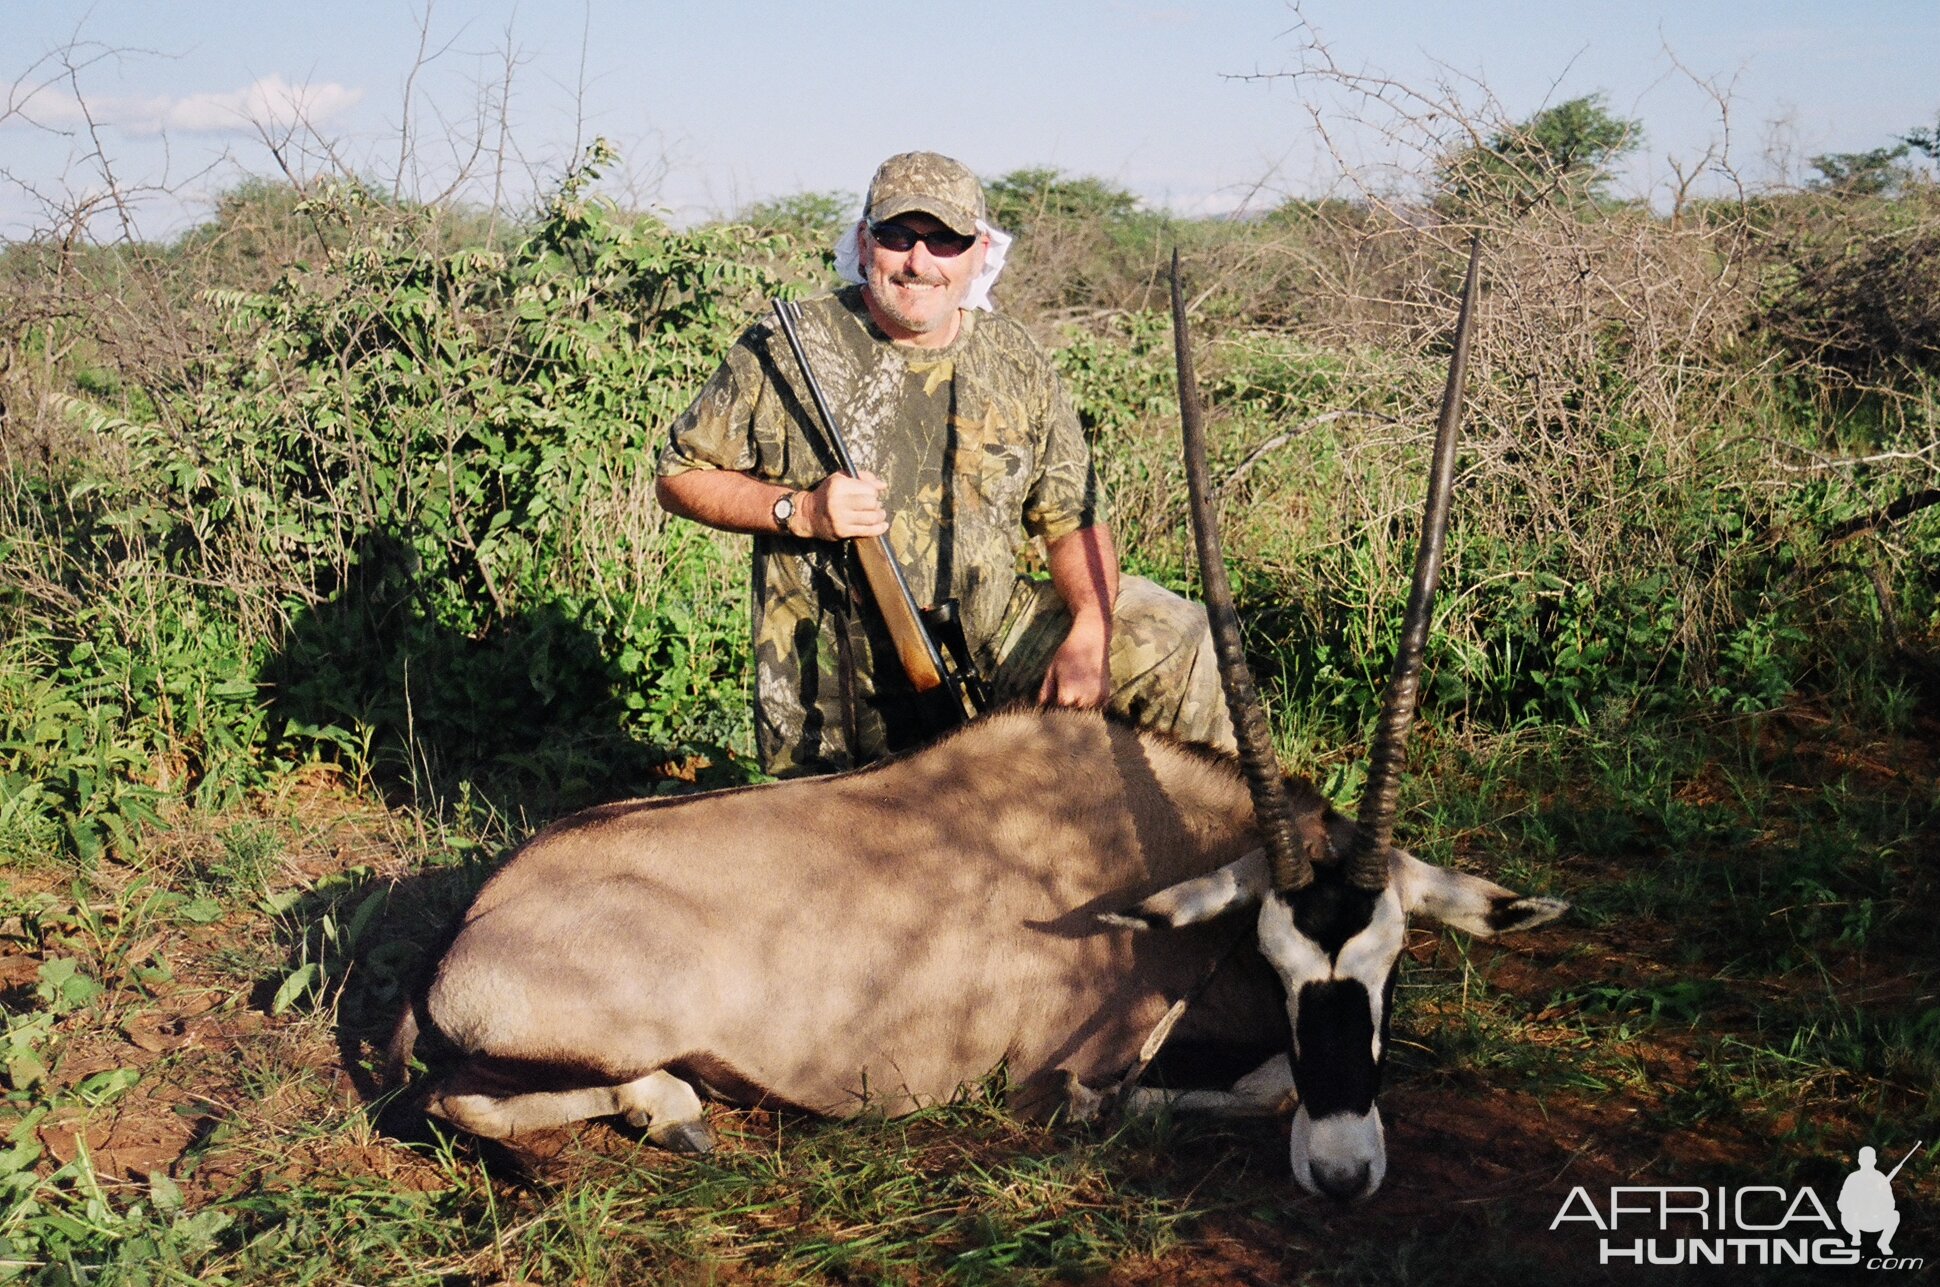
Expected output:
(718, 104)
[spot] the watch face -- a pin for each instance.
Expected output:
(784, 510)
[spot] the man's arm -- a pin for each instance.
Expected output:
(838, 507)
(1084, 571)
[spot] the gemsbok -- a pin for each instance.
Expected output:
(1042, 890)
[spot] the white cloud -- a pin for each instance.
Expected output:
(269, 103)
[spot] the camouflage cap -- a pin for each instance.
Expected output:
(929, 182)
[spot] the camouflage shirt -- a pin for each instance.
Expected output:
(979, 446)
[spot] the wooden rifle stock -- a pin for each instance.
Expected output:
(944, 676)
(921, 658)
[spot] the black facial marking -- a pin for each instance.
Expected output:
(1330, 911)
(1334, 1068)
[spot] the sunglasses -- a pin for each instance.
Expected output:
(897, 238)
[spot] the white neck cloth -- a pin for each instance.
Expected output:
(848, 263)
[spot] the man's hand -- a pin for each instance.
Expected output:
(1084, 568)
(1080, 670)
(841, 507)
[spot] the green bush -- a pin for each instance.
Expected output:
(403, 513)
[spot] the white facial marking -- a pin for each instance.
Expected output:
(1297, 958)
(1370, 955)
(1344, 1156)
(1367, 957)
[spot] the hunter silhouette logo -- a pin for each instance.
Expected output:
(1866, 1200)
(1754, 1224)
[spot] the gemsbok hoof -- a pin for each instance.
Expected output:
(686, 1137)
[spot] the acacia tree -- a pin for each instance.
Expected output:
(1083, 243)
(1876, 173)
(1925, 140)
(1025, 198)
(812, 219)
(1563, 153)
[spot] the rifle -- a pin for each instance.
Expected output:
(948, 687)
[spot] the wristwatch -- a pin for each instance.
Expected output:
(783, 511)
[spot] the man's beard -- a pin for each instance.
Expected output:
(882, 287)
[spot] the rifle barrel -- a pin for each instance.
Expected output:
(787, 311)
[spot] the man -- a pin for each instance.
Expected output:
(965, 441)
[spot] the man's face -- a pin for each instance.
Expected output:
(914, 294)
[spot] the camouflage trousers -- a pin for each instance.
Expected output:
(1164, 674)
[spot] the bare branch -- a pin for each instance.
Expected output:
(1280, 440)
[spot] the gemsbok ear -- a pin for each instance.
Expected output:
(1240, 883)
(1466, 902)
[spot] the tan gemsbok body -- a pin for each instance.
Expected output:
(1034, 892)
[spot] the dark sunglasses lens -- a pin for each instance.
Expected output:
(945, 244)
(897, 238)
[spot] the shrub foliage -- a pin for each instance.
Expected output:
(398, 509)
